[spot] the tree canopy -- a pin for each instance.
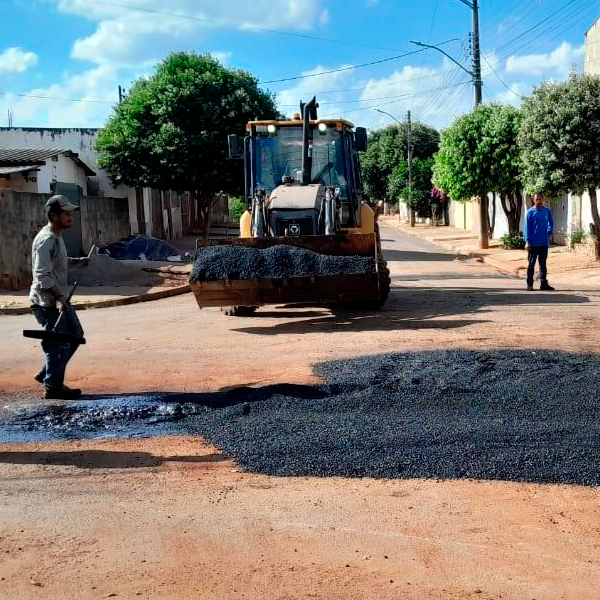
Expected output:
(559, 140)
(387, 148)
(170, 131)
(462, 166)
(419, 198)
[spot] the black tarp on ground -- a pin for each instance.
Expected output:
(136, 247)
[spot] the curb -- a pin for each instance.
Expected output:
(89, 305)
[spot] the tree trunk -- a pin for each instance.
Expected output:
(512, 205)
(492, 223)
(518, 211)
(204, 203)
(412, 216)
(595, 226)
(483, 238)
(447, 212)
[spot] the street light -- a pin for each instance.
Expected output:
(409, 148)
(475, 73)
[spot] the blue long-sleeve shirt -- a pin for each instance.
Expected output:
(539, 226)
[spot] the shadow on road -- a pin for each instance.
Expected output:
(101, 459)
(409, 308)
(416, 256)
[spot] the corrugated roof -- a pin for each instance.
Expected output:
(18, 169)
(38, 156)
(23, 156)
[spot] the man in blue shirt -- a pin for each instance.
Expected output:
(539, 226)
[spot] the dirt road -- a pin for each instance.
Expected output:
(171, 517)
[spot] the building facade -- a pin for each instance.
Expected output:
(591, 63)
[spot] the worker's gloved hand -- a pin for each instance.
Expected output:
(83, 261)
(62, 304)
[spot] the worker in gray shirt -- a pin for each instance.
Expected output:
(48, 296)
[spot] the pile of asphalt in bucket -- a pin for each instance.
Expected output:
(214, 263)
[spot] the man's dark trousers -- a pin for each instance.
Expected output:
(539, 253)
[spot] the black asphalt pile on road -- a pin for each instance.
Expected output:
(517, 416)
(214, 263)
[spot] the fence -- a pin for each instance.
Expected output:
(22, 215)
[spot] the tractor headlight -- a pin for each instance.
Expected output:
(272, 129)
(322, 128)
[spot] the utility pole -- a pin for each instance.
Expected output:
(477, 82)
(120, 94)
(409, 160)
(411, 211)
(475, 74)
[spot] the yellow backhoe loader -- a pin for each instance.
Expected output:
(303, 188)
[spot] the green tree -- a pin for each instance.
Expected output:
(500, 145)
(463, 168)
(419, 198)
(170, 131)
(559, 141)
(387, 148)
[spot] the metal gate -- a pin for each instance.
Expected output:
(72, 236)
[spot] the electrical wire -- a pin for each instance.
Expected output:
(236, 26)
(350, 68)
(411, 94)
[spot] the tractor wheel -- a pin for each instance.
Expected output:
(239, 311)
(384, 282)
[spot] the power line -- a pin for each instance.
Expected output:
(561, 23)
(428, 40)
(411, 94)
(534, 27)
(500, 78)
(237, 27)
(375, 62)
(93, 100)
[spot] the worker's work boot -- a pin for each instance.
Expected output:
(40, 376)
(546, 287)
(62, 393)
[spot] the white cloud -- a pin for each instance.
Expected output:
(559, 62)
(143, 36)
(222, 57)
(289, 99)
(15, 60)
(97, 87)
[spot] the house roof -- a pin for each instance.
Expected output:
(10, 157)
(18, 169)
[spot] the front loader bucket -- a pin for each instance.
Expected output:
(315, 289)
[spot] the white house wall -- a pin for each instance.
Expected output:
(80, 141)
(591, 62)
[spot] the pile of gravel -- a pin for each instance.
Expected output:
(518, 416)
(214, 263)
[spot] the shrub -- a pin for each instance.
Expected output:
(512, 242)
(577, 236)
(236, 207)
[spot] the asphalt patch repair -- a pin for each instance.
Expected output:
(214, 263)
(528, 416)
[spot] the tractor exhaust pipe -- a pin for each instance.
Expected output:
(308, 112)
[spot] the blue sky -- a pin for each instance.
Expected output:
(54, 52)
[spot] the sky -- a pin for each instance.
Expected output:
(61, 61)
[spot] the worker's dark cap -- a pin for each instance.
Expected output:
(59, 203)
